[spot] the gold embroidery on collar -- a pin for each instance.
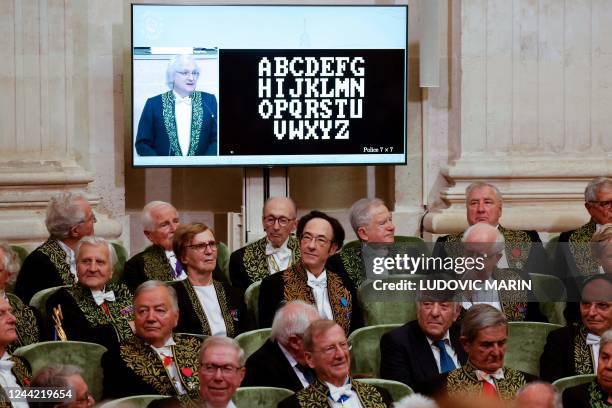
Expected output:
(56, 254)
(156, 264)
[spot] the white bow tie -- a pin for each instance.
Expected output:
(6, 365)
(337, 392)
(592, 339)
(482, 376)
(101, 297)
(317, 283)
(270, 250)
(186, 100)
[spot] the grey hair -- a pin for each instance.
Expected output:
(595, 186)
(479, 317)
(294, 207)
(415, 401)
(146, 218)
(605, 339)
(292, 320)
(152, 284)
(63, 213)
(223, 341)
(55, 375)
(557, 400)
(600, 240)
(10, 261)
(499, 243)
(481, 184)
(175, 64)
(97, 241)
(360, 212)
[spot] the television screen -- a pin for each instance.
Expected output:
(268, 85)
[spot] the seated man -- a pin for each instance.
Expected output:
(14, 371)
(69, 218)
(158, 261)
(221, 371)
(601, 248)
(327, 353)
(538, 394)
(154, 361)
(423, 348)
(280, 362)
(573, 349)
(484, 333)
(28, 318)
(523, 250)
(94, 309)
(275, 252)
(372, 223)
(333, 295)
(64, 377)
(597, 393)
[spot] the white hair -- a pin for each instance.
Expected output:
(175, 64)
(482, 184)
(147, 220)
(499, 243)
(10, 261)
(226, 342)
(595, 186)
(96, 241)
(63, 213)
(415, 401)
(557, 402)
(152, 284)
(292, 320)
(360, 213)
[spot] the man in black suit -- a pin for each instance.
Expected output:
(597, 393)
(280, 362)
(69, 218)
(423, 348)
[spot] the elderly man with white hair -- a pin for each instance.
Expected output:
(181, 121)
(69, 218)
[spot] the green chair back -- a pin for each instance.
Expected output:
(526, 342)
(252, 340)
(388, 306)
(397, 389)
(79, 353)
(199, 336)
(567, 382)
(223, 256)
(21, 252)
(415, 242)
(551, 246)
(122, 257)
(260, 397)
(135, 401)
(39, 301)
(550, 292)
(251, 299)
(365, 354)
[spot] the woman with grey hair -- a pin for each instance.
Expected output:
(182, 121)
(28, 319)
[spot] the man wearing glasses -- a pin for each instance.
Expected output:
(221, 371)
(331, 293)
(182, 121)
(273, 253)
(327, 353)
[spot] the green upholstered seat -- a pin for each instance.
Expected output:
(397, 389)
(260, 397)
(122, 257)
(21, 252)
(135, 401)
(365, 354)
(551, 246)
(78, 353)
(550, 292)
(251, 299)
(388, 307)
(223, 256)
(252, 340)
(39, 301)
(567, 382)
(405, 239)
(526, 342)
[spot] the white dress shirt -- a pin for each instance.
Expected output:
(230, 404)
(489, 297)
(182, 114)
(70, 259)
(319, 290)
(7, 379)
(210, 303)
(336, 392)
(293, 363)
(171, 369)
(449, 350)
(279, 258)
(592, 341)
(172, 259)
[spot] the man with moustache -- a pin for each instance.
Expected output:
(327, 353)
(423, 348)
(275, 252)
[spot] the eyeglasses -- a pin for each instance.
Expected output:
(203, 246)
(320, 240)
(91, 218)
(226, 370)
(603, 204)
(282, 221)
(194, 74)
(331, 349)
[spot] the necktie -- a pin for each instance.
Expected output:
(101, 297)
(178, 270)
(317, 283)
(488, 389)
(446, 362)
(307, 371)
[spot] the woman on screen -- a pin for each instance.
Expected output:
(182, 121)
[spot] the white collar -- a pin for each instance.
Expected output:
(66, 249)
(446, 338)
(292, 361)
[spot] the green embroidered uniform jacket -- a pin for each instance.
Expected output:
(29, 323)
(566, 353)
(589, 395)
(23, 374)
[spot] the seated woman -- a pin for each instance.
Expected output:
(206, 306)
(28, 318)
(93, 309)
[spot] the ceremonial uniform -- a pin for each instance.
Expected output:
(29, 323)
(589, 395)
(15, 372)
(568, 353)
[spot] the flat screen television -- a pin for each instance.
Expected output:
(266, 85)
